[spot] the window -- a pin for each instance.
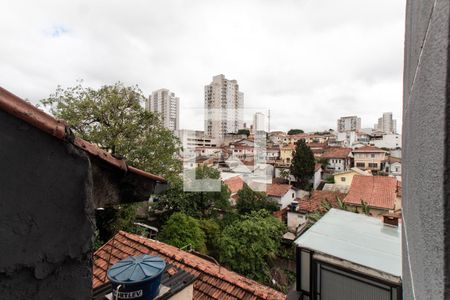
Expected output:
(372, 155)
(361, 165)
(293, 195)
(342, 178)
(373, 165)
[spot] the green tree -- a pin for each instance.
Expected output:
(113, 118)
(295, 131)
(212, 234)
(202, 205)
(183, 231)
(250, 200)
(244, 131)
(249, 245)
(303, 163)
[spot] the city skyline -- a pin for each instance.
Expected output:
(309, 66)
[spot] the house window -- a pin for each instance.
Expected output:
(373, 165)
(372, 155)
(342, 178)
(361, 165)
(293, 195)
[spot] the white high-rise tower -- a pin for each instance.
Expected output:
(167, 105)
(224, 105)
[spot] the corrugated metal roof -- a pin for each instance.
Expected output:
(356, 238)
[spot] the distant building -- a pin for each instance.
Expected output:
(369, 158)
(224, 105)
(350, 123)
(259, 122)
(386, 123)
(338, 159)
(390, 141)
(167, 105)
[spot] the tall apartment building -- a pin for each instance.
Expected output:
(386, 123)
(259, 122)
(167, 105)
(224, 105)
(350, 123)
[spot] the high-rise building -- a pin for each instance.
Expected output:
(259, 123)
(167, 105)
(386, 123)
(224, 105)
(350, 123)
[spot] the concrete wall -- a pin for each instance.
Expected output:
(46, 215)
(425, 158)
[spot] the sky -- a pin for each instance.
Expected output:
(308, 61)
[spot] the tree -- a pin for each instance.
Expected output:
(303, 163)
(244, 131)
(250, 200)
(212, 234)
(113, 118)
(248, 245)
(183, 231)
(295, 131)
(203, 205)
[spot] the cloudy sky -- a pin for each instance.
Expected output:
(308, 61)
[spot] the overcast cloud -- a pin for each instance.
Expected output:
(308, 61)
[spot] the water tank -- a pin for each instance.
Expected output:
(137, 277)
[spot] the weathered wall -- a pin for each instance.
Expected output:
(46, 223)
(425, 131)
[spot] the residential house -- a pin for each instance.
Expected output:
(51, 185)
(317, 148)
(234, 184)
(379, 192)
(272, 154)
(345, 178)
(349, 256)
(317, 178)
(389, 141)
(299, 210)
(212, 281)
(369, 158)
(393, 166)
(286, 154)
(338, 159)
(283, 194)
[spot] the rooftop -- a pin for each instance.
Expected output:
(311, 203)
(337, 153)
(27, 112)
(356, 238)
(213, 281)
(369, 149)
(277, 189)
(234, 184)
(377, 191)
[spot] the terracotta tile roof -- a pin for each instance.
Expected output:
(30, 114)
(277, 190)
(337, 153)
(311, 203)
(234, 184)
(213, 281)
(377, 191)
(368, 149)
(288, 147)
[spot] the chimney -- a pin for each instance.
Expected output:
(391, 219)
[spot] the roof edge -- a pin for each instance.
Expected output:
(30, 114)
